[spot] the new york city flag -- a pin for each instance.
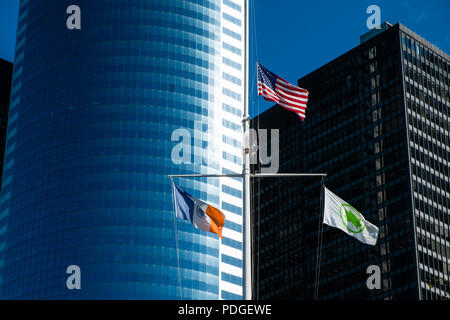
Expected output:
(200, 214)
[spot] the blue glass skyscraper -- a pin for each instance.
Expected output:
(90, 144)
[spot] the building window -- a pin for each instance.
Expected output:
(229, 157)
(232, 261)
(232, 79)
(232, 34)
(231, 48)
(232, 19)
(232, 110)
(232, 94)
(231, 125)
(232, 243)
(232, 191)
(372, 52)
(232, 5)
(232, 208)
(231, 63)
(231, 141)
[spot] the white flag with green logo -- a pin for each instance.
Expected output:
(339, 214)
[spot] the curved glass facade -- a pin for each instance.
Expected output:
(89, 150)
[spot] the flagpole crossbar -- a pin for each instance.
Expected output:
(246, 177)
(287, 175)
(205, 176)
(252, 175)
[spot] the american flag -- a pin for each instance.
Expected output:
(273, 88)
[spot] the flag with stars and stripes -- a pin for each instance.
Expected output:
(273, 88)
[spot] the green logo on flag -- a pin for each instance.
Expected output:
(351, 218)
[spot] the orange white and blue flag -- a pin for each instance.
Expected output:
(202, 215)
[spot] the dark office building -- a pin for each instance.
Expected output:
(6, 69)
(378, 123)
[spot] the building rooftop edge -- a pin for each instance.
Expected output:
(398, 25)
(423, 40)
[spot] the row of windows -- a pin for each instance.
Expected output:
(232, 63)
(430, 192)
(23, 15)
(232, 110)
(121, 172)
(232, 243)
(205, 3)
(441, 272)
(232, 261)
(426, 68)
(232, 19)
(141, 70)
(124, 86)
(231, 48)
(426, 181)
(423, 114)
(160, 9)
(233, 226)
(230, 296)
(232, 5)
(232, 34)
(230, 93)
(231, 279)
(232, 208)
(231, 157)
(433, 263)
(231, 78)
(429, 174)
(231, 141)
(45, 261)
(154, 38)
(421, 95)
(227, 171)
(109, 46)
(424, 78)
(429, 292)
(429, 158)
(232, 191)
(440, 232)
(166, 22)
(416, 47)
(154, 106)
(23, 3)
(231, 125)
(424, 204)
(430, 143)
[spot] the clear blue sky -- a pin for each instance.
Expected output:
(9, 10)
(295, 37)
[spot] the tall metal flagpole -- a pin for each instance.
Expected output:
(246, 173)
(319, 240)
